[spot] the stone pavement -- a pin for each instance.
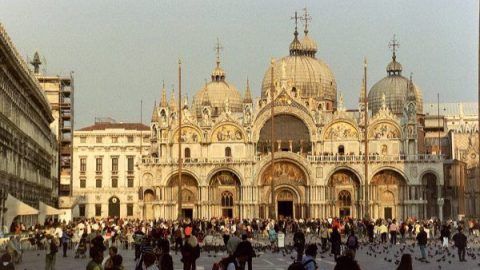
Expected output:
(369, 257)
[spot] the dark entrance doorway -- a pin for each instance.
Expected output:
(285, 208)
(344, 212)
(114, 207)
(187, 213)
(387, 212)
(227, 212)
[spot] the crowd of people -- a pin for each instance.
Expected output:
(241, 241)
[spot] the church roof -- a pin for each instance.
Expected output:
(452, 108)
(109, 125)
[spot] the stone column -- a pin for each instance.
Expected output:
(290, 145)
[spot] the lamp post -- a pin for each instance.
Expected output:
(3, 198)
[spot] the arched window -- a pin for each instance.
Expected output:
(341, 150)
(345, 198)
(187, 152)
(227, 199)
(228, 152)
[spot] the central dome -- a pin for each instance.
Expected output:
(309, 75)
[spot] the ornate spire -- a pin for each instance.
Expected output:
(394, 67)
(163, 100)
(154, 113)
(362, 92)
(248, 94)
(218, 74)
(173, 103)
(36, 63)
(411, 90)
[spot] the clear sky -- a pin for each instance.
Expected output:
(121, 51)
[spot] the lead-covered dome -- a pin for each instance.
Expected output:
(395, 89)
(311, 76)
(216, 94)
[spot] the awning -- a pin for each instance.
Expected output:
(47, 210)
(15, 207)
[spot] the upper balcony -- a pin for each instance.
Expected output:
(374, 158)
(195, 161)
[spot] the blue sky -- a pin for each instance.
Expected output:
(121, 51)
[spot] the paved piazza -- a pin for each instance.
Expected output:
(385, 259)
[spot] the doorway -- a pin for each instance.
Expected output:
(187, 213)
(285, 208)
(344, 212)
(227, 212)
(387, 212)
(114, 207)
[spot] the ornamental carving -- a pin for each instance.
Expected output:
(387, 196)
(224, 178)
(343, 178)
(285, 195)
(147, 179)
(341, 130)
(187, 180)
(189, 135)
(188, 196)
(284, 172)
(227, 133)
(385, 131)
(387, 178)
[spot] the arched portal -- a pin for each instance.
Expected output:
(189, 191)
(224, 194)
(344, 193)
(290, 134)
(429, 181)
(284, 174)
(114, 207)
(389, 190)
(148, 198)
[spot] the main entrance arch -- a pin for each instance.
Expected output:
(429, 181)
(289, 181)
(344, 194)
(114, 207)
(389, 190)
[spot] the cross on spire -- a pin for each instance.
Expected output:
(296, 22)
(394, 45)
(218, 48)
(306, 18)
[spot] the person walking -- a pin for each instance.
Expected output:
(308, 260)
(245, 250)
(445, 235)
(460, 241)
(383, 232)
(51, 255)
(336, 241)
(65, 240)
(405, 262)
(352, 243)
(393, 228)
(299, 243)
(190, 252)
(422, 243)
(96, 253)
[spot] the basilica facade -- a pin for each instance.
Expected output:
(318, 167)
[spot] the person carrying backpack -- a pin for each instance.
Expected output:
(308, 260)
(352, 243)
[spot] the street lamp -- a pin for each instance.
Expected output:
(3, 198)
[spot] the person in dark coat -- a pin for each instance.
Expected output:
(336, 241)
(299, 243)
(460, 241)
(245, 250)
(445, 235)
(422, 243)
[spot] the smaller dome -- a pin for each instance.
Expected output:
(394, 67)
(309, 45)
(295, 47)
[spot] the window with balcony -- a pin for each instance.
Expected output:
(83, 183)
(98, 183)
(98, 210)
(114, 165)
(130, 209)
(130, 139)
(99, 139)
(130, 182)
(83, 139)
(99, 167)
(114, 182)
(114, 139)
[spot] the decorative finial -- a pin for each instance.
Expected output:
(365, 62)
(296, 23)
(341, 106)
(218, 48)
(36, 63)
(306, 19)
(394, 45)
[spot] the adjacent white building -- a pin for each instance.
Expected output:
(105, 181)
